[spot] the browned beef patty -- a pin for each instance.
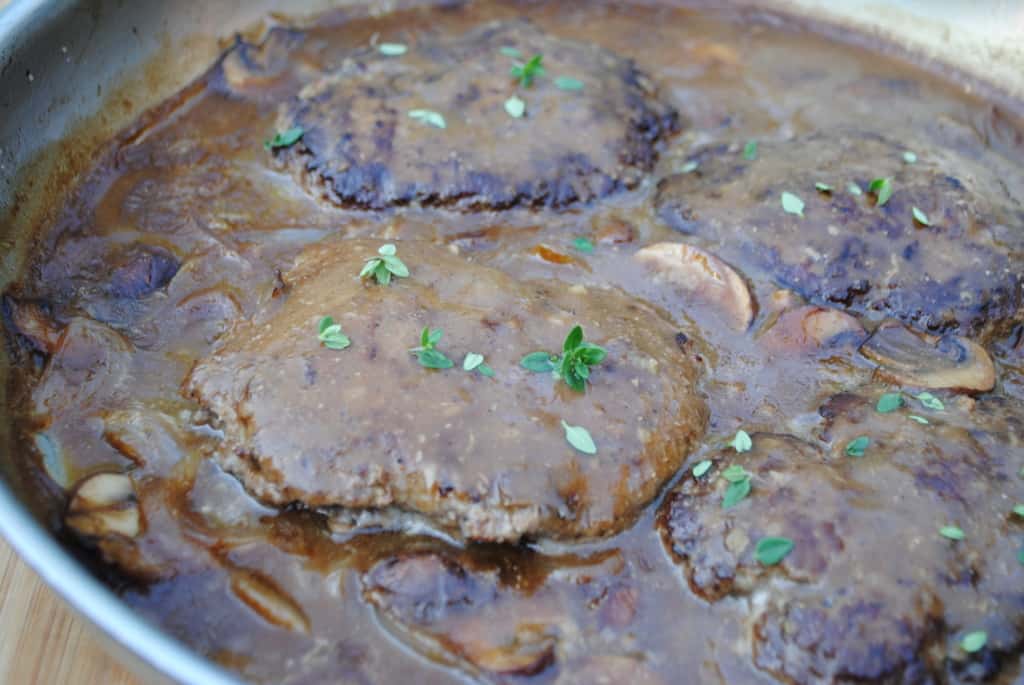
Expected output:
(958, 274)
(362, 149)
(871, 590)
(497, 625)
(371, 432)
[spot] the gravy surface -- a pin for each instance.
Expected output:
(179, 245)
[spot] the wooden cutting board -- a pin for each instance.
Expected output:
(43, 642)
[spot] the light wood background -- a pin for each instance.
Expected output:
(41, 641)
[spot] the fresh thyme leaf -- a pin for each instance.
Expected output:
(823, 187)
(951, 532)
(882, 190)
(920, 419)
(426, 116)
(392, 49)
(1020, 555)
(772, 550)
(516, 107)
(750, 150)
(920, 217)
(857, 446)
(973, 642)
(510, 51)
(701, 468)
(433, 359)
(579, 438)
(792, 204)
(742, 442)
(573, 340)
(736, 493)
(284, 138)
(578, 357)
(854, 189)
(330, 335)
(909, 157)
(889, 402)
(472, 361)
(386, 265)
(735, 473)
(432, 337)
(1019, 510)
(539, 362)
(485, 370)
(929, 401)
(568, 83)
(583, 244)
(689, 167)
(526, 73)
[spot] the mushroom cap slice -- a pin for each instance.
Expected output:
(908, 357)
(703, 275)
(104, 505)
(812, 327)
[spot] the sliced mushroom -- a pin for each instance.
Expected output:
(31, 321)
(528, 653)
(105, 505)
(908, 357)
(262, 595)
(703, 275)
(811, 327)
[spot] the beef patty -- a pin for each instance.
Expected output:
(361, 148)
(842, 606)
(956, 274)
(371, 432)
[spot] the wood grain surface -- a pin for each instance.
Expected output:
(41, 641)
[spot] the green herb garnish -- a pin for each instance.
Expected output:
(822, 187)
(882, 190)
(540, 362)
(574, 364)
(909, 157)
(516, 107)
(510, 51)
(770, 551)
(330, 335)
(583, 245)
(1019, 510)
(427, 116)
(854, 189)
(701, 468)
(526, 73)
(736, 493)
(568, 83)
(689, 167)
(284, 138)
(919, 419)
(889, 402)
(742, 442)
(750, 150)
(920, 217)
(857, 446)
(792, 204)
(929, 401)
(951, 532)
(475, 362)
(386, 265)
(392, 49)
(1020, 555)
(739, 485)
(973, 642)
(579, 438)
(427, 354)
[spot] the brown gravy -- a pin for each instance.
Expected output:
(187, 226)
